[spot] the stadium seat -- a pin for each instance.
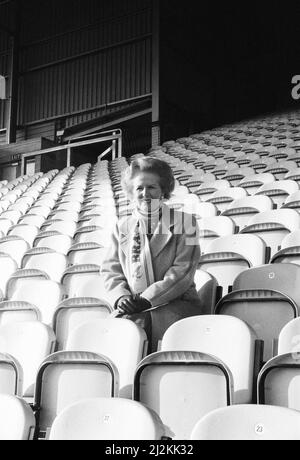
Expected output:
(289, 338)
(47, 260)
(120, 340)
(265, 311)
(66, 377)
(281, 277)
(86, 253)
(11, 375)
(29, 343)
(226, 257)
(278, 191)
(53, 240)
(64, 227)
(248, 423)
(71, 313)
(84, 280)
(241, 211)
(107, 419)
(221, 199)
(162, 376)
(17, 421)
(15, 247)
(7, 267)
(278, 381)
(214, 227)
(16, 311)
(293, 201)
(273, 226)
(207, 289)
(42, 293)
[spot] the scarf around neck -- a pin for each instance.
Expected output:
(139, 262)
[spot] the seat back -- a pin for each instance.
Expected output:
(265, 311)
(47, 260)
(227, 257)
(44, 294)
(107, 419)
(248, 422)
(73, 312)
(120, 340)
(28, 342)
(289, 338)
(66, 377)
(17, 421)
(282, 277)
(218, 336)
(279, 381)
(168, 382)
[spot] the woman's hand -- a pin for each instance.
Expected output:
(126, 305)
(129, 304)
(142, 303)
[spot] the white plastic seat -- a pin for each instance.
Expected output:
(168, 382)
(17, 421)
(107, 419)
(66, 377)
(281, 168)
(42, 293)
(273, 226)
(41, 210)
(207, 289)
(14, 216)
(279, 191)
(28, 342)
(206, 190)
(264, 310)
(32, 219)
(241, 211)
(214, 227)
(64, 227)
(47, 260)
(5, 225)
(11, 375)
(25, 231)
(53, 240)
(92, 234)
(16, 311)
(120, 340)
(293, 201)
(84, 281)
(227, 338)
(252, 183)
(279, 381)
(15, 247)
(248, 422)
(228, 256)
(158, 382)
(73, 312)
(86, 253)
(67, 216)
(223, 198)
(289, 338)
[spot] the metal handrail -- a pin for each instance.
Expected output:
(115, 148)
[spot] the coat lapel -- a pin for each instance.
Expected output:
(162, 234)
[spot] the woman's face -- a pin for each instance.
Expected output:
(147, 191)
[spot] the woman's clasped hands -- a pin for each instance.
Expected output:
(131, 304)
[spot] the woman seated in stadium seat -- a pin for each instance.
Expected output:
(150, 265)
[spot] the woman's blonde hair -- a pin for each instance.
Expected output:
(151, 165)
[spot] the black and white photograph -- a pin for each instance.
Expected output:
(149, 223)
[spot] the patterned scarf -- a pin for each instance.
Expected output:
(139, 262)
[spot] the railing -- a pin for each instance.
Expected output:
(114, 136)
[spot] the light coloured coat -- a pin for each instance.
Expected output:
(175, 256)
